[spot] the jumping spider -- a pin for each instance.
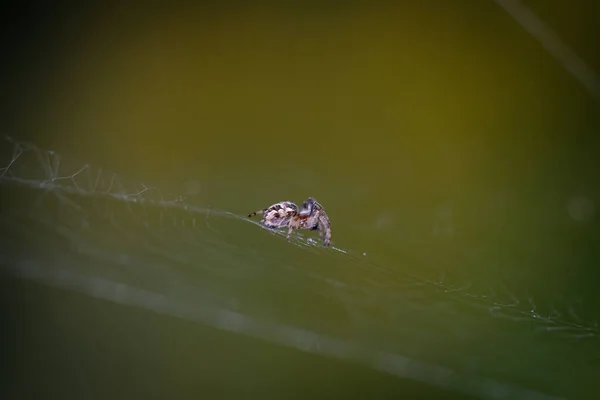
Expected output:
(311, 216)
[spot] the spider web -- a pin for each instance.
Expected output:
(86, 229)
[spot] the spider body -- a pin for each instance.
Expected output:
(278, 215)
(310, 216)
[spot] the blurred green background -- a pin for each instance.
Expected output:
(439, 136)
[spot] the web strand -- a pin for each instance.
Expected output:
(150, 242)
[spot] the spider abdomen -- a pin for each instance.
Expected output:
(279, 214)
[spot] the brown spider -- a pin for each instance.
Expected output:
(311, 216)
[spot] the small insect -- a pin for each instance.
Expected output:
(287, 214)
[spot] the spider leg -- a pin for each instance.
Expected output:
(327, 237)
(325, 231)
(290, 229)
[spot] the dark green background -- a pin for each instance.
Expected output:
(389, 116)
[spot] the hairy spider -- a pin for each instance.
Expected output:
(311, 216)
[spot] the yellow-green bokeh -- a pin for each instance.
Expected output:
(388, 115)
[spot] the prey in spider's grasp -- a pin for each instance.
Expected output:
(287, 214)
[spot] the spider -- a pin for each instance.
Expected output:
(311, 216)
